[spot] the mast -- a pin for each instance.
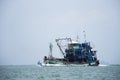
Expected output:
(50, 47)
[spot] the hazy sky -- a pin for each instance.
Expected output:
(28, 26)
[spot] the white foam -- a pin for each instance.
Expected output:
(103, 65)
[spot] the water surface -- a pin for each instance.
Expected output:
(32, 72)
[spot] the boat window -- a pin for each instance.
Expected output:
(74, 46)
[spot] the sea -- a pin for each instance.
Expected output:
(34, 72)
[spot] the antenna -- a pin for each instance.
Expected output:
(77, 38)
(84, 35)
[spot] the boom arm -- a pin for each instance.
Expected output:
(57, 41)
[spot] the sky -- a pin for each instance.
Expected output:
(28, 26)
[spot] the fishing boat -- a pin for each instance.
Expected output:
(74, 54)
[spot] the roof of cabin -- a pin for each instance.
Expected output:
(73, 42)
